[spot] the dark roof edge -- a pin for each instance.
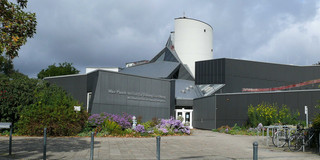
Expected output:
(245, 60)
(98, 70)
(271, 92)
(67, 75)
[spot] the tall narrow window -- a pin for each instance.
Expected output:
(89, 95)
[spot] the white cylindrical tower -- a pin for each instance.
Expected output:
(192, 41)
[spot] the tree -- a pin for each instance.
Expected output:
(16, 92)
(53, 70)
(53, 108)
(16, 26)
(317, 64)
(6, 66)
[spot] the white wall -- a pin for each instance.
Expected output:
(193, 41)
(88, 70)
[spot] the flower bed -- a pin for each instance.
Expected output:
(237, 130)
(106, 124)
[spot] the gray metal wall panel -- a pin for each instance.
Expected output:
(204, 112)
(92, 82)
(233, 108)
(230, 111)
(92, 79)
(133, 94)
(75, 85)
(172, 99)
(238, 74)
(184, 102)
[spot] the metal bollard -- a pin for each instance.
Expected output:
(255, 150)
(10, 141)
(45, 144)
(268, 136)
(158, 147)
(92, 146)
(303, 145)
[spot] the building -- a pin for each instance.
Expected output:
(184, 80)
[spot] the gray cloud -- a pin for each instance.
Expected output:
(110, 33)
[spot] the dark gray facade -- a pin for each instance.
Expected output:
(239, 74)
(204, 113)
(75, 85)
(118, 93)
(227, 109)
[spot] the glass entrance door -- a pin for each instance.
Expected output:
(185, 115)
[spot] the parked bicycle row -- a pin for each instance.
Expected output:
(297, 138)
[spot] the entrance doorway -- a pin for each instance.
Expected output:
(185, 115)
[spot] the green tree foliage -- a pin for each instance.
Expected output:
(53, 70)
(16, 92)
(6, 66)
(16, 26)
(52, 108)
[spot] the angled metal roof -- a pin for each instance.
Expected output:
(167, 54)
(186, 89)
(159, 69)
(209, 89)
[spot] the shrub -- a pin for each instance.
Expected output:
(124, 120)
(269, 114)
(53, 109)
(128, 131)
(286, 117)
(111, 127)
(121, 125)
(237, 130)
(139, 128)
(154, 122)
(16, 91)
(316, 119)
(262, 113)
(172, 125)
(147, 125)
(224, 129)
(96, 120)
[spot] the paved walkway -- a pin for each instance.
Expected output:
(201, 145)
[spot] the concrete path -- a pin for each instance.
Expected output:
(201, 145)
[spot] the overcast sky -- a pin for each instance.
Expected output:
(109, 33)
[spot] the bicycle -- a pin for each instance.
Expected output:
(301, 139)
(281, 136)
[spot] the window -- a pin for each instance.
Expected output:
(89, 94)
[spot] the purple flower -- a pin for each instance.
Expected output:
(124, 120)
(164, 130)
(173, 125)
(188, 131)
(140, 128)
(95, 120)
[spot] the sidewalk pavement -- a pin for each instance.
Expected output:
(200, 145)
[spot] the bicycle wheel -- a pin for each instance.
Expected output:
(279, 139)
(296, 142)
